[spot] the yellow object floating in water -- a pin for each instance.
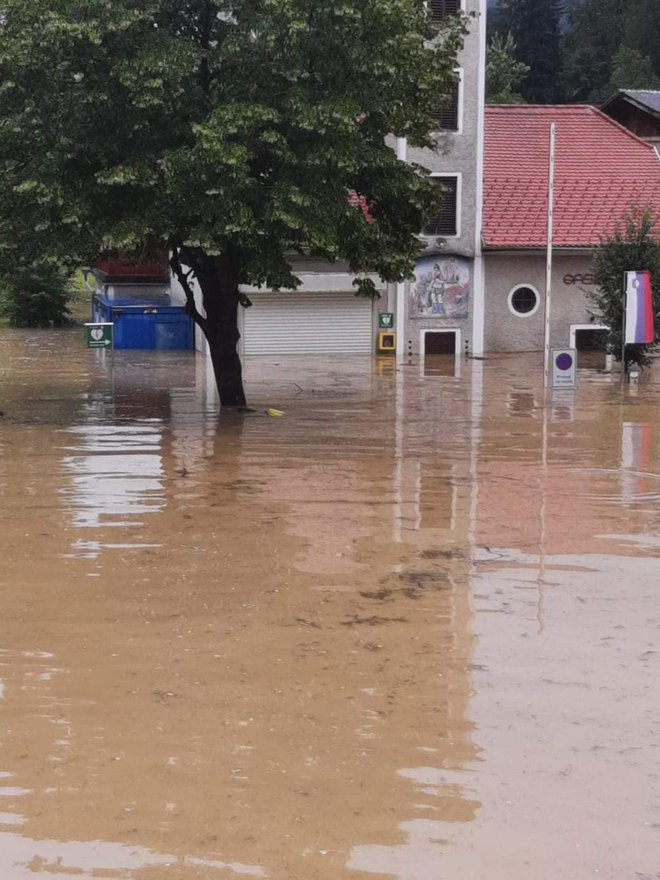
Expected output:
(275, 413)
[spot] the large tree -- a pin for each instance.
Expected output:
(535, 26)
(232, 132)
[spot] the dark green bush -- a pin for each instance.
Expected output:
(36, 296)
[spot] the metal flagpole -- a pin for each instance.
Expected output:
(623, 330)
(542, 578)
(548, 273)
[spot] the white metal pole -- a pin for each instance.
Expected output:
(402, 156)
(546, 381)
(548, 273)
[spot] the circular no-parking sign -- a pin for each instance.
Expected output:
(563, 368)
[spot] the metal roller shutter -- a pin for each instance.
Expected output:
(308, 323)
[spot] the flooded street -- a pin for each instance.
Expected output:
(409, 630)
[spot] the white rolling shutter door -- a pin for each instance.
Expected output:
(308, 323)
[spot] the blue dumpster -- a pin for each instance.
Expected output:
(145, 325)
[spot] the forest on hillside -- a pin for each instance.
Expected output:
(571, 51)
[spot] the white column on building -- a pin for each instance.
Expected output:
(401, 154)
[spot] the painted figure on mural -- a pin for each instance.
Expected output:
(435, 292)
(441, 288)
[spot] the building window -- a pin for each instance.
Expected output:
(439, 10)
(445, 220)
(524, 300)
(448, 116)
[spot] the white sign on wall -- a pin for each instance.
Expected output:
(564, 364)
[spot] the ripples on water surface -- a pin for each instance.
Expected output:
(409, 630)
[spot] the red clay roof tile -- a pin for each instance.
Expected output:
(601, 169)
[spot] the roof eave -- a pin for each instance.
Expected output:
(628, 99)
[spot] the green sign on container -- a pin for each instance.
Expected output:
(386, 320)
(99, 335)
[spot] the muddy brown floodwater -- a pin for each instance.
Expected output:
(409, 630)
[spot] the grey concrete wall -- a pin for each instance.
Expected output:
(456, 152)
(506, 331)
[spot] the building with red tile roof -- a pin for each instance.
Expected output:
(601, 170)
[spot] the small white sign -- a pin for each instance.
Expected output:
(564, 364)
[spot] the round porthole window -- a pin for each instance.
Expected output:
(523, 300)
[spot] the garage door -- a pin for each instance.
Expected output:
(308, 323)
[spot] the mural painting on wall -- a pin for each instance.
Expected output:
(441, 288)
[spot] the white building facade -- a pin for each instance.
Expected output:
(442, 308)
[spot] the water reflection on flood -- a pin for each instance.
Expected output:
(21, 858)
(116, 474)
(441, 365)
(409, 630)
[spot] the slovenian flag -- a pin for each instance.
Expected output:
(639, 309)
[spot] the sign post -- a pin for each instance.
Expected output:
(385, 320)
(99, 335)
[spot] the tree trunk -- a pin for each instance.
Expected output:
(218, 279)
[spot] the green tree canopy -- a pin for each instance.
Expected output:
(600, 43)
(633, 246)
(598, 32)
(641, 30)
(504, 75)
(535, 28)
(630, 70)
(230, 132)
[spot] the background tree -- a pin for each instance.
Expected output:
(634, 245)
(630, 70)
(642, 30)
(504, 74)
(230, 131)
(598, 32)
(36, 296)
(535, 29)
(601, 43)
